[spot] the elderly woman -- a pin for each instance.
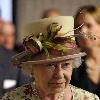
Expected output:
(87, 76)
(49, 58)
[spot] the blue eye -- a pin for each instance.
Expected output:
(65, 65)
(51, 65)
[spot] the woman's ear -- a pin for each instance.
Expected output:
(32, 71)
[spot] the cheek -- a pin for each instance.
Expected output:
(42, 75)
(95, 29)
(11, 39)
(67, 74)
(1, 38)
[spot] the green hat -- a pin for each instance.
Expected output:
(48, 40)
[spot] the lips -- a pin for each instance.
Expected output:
(57, 83)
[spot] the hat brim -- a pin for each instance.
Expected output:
(40, 58)
(53, 59)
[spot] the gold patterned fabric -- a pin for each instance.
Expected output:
(27, 92)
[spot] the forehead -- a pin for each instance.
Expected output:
(89, 18)
(85, 18)
(66, 61)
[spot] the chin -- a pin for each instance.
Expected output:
(56, 88)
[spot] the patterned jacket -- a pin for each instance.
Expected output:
(26, 92)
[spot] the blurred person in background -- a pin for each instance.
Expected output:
(50, 13)
(8, 32)
(1, 23)
(10, 77)
(87, 76)
(1, 26)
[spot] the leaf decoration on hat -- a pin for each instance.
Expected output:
(61, 48)
(53, 29)
(39, 42)
(52, 40)
(51, 45)
(32, 43)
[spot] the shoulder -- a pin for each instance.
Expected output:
(81, 94)
(21, 93)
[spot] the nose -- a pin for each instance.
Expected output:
(58, 72)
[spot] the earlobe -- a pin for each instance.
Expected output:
(32, 72)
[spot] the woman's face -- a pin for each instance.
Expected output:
(90, 27)
(53, 77)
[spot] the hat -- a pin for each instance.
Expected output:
(48, 40)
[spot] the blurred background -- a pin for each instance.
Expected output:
(21, 12)
(14, 15)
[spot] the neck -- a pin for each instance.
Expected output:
(95, 59)
(45, 95)
(94, 54)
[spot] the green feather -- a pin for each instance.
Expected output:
(60, 47)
